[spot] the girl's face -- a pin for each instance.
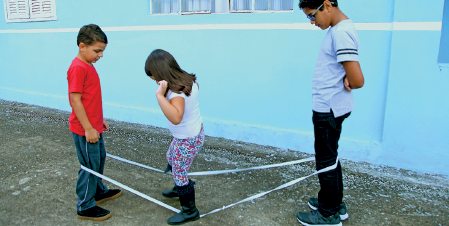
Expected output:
(152, 77)
(92, 53)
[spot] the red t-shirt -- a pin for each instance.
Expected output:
(83, 78)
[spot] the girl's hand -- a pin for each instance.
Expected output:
(162, 88)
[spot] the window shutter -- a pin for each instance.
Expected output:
(17, 9)
(42, 9)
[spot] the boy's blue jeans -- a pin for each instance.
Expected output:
(92, 156)
(327, 131)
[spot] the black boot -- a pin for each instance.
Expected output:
(189, 211)
(171, 193)
(168, 168)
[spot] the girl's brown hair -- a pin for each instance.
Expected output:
(163, 66)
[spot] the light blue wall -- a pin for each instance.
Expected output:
(416, 126)
(255, 85)
(443, 56)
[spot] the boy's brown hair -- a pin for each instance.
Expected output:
(91, 33)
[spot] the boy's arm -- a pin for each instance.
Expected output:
(105, 125)
(354, 77)
(91, 134)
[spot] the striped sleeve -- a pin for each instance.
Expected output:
(346, 46)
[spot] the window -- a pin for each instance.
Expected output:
(29, 10)
(218, 6)
(187, 6)
(443, 57)
(261, 5)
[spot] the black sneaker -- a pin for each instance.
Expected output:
(95, 213)
(111, 194)
(315, 218)
(313, 204)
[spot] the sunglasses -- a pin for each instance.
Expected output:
(312, 16)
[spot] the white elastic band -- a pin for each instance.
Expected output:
(130, 189)
(204, 173)
(216, 210)
(134, 163)
(329, 168)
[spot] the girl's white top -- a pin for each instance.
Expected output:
(190, 125)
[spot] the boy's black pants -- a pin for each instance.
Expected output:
(92, 156)
(327, 131)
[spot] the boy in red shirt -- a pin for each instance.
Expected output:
(87, 123)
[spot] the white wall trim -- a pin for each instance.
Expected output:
(419, 26)
(395, 26)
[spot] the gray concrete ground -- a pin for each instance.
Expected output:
(39, 173)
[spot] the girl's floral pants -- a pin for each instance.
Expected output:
(180, 156)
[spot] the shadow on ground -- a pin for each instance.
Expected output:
(39, 172)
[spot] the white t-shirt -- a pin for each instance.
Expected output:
(328, 92)
(190, 125)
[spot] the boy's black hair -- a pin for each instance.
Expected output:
(314, 4)
(91, 33)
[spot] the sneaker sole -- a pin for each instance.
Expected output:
(109, 198)
(342, 217)
(95, 218)
(306, 224)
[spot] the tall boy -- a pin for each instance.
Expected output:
(87, 123)
(337, 71)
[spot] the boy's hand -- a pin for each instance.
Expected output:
(105, 125)
(354, 77)
(162, 88)
(92, 136)
(346, 82)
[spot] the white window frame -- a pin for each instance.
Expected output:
(231, 3)
(29, 10)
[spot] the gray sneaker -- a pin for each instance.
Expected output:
(315, 218)
(313, 204)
